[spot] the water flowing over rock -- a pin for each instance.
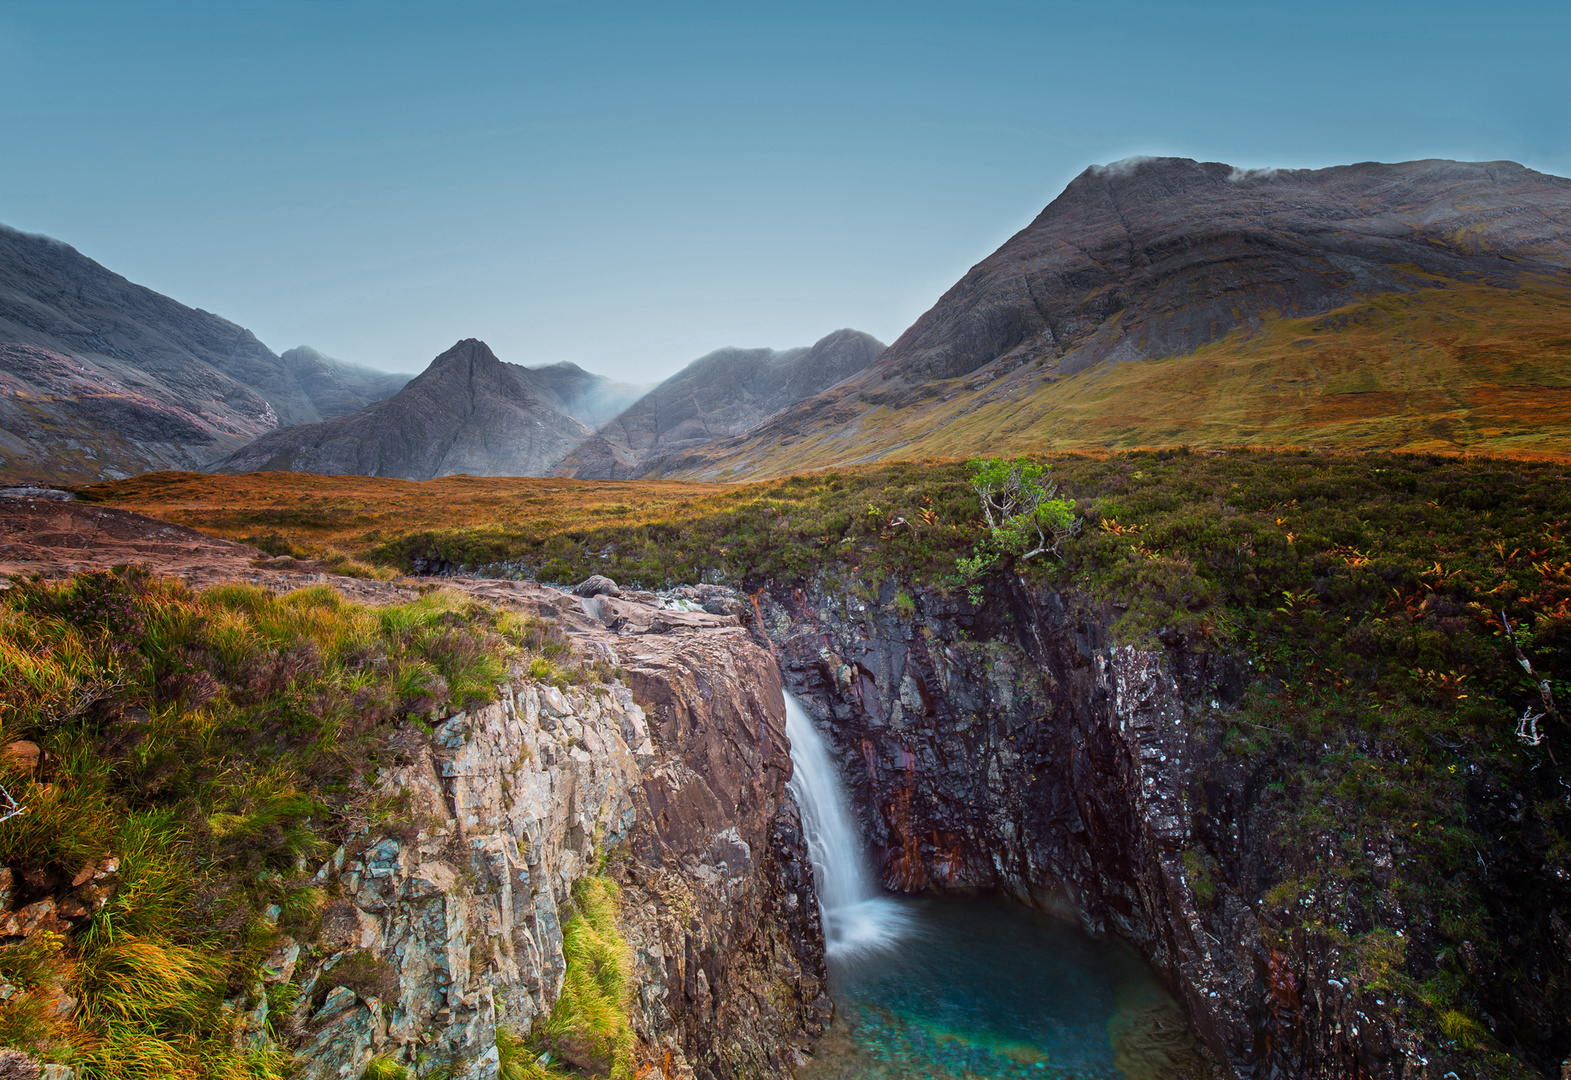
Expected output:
(856, 916)
(1019, 749)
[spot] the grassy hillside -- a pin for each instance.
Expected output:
(1451, 368)
(200, 753)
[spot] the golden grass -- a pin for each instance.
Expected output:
(353, 513)
(1458, 368)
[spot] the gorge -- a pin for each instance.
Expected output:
(1258, 723)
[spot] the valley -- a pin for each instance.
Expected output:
(517, 723)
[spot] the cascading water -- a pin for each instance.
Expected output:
(857, 918)
(977, 987)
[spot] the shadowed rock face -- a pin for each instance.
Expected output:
(336, 388)
(725, 393)
(100, 377)
(1017, 747)
(466, 413)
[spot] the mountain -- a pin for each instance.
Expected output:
(335, 388)
(467, 413)
(588, 398)
(101, 378)
(727, 392)
(1421, 305)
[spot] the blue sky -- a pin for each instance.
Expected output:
(628, 186)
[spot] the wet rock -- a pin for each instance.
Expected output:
(1031, 757)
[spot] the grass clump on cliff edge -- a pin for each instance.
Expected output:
(214, 746)
(588, 1028)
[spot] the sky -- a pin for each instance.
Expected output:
(630, 186)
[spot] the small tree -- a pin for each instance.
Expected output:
(1025, 518)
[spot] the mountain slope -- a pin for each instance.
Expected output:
(466, 413)
(335, 388)
(588, 398)
(100, 377)
(724, 393)
(1169, 300)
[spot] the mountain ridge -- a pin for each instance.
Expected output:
(723, 393)
(101, 377)
(1163, 259)
(468, 412)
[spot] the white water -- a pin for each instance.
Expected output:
(858, 918)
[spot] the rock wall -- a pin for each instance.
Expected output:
(1017, 749)
(444, 920)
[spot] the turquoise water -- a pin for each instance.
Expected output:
(979, 988)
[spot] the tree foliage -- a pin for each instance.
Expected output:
(1025, 517)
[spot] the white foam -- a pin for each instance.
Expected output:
(858, 919)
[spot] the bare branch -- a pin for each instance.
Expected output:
(9, 807)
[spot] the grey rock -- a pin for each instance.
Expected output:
(597, 585)
(119, 379)
(725, 393)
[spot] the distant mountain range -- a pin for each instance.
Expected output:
(467, 413)
(728, 392)
(1423, 305)
(100, 377)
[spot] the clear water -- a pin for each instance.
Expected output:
(964, 989)
(987, 988)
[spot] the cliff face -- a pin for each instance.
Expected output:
(446, 921)
(1019, 750)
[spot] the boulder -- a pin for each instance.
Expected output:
(597, 585)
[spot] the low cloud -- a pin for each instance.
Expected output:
(1123, 166)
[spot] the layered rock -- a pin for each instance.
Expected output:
(1016, 748)
(451, 925)
(447, 922)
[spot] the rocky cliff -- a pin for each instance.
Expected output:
(445, 920)
(1018, 749)
(102, 378)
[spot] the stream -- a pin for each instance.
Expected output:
(962, 988)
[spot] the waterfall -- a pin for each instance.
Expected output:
(857, 917)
